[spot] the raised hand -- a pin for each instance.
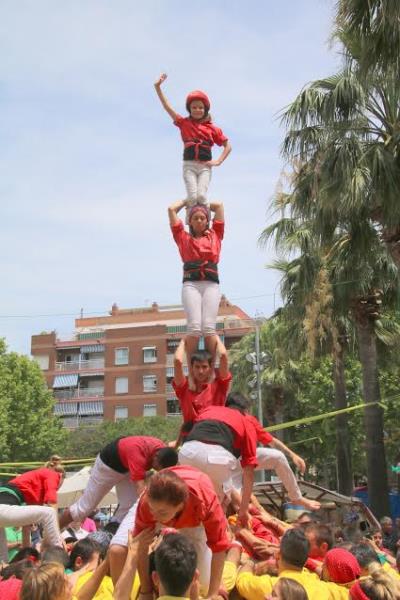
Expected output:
(161, 80)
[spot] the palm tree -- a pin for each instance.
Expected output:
(371, 30)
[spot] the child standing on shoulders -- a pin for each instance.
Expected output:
(199, 134)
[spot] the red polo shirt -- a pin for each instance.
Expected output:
(202, 508)
(206, 247)
(39, 486)
(136, 454)
(244, 434)
(263, 436)
(204, 131)
(211, 394)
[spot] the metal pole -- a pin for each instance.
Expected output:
(258, 365)
(259, 395)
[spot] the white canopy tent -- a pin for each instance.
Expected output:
(74, 486)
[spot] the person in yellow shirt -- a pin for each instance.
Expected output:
(291, 560)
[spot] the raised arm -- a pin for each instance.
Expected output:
(166, 105)
(173, 210)
(223, 358)
(218, 209)
(179, 376)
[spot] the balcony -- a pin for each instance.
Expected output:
(79, 409)
(74, 422)
(78, 393)
(95, 364)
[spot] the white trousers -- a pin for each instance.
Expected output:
(274, 460)
(196, 176)
(102, 479)
(196, 534)
(200, 301)
(214, 460)
(14, 516)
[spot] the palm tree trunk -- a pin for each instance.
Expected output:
(343, 444)
(378, 491)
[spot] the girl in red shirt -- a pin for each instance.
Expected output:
(200, 250)
(22, 500)
(199, 134)
(184, 498)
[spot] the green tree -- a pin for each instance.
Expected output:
(86, 442)
(28, 428)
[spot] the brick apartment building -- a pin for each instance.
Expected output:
(121, 365)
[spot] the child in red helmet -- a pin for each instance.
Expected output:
(199, 134)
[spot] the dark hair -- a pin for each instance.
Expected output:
(323, 533)
(166, 486)
(55, 554)
(294, 548)
(364, 554)
(17, 569)
(238, 402)
(175, 561)
(24, 553)
(83, 549)
(112, 527)
(166, 457)
(201, 356)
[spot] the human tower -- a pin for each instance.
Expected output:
(190, 489)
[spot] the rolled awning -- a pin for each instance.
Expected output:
(91, 408)
(66, 408)
(62, 381)
(92, 348)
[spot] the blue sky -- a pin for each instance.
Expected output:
(89, 161)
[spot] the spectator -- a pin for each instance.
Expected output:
(390, 537)
(292, 557)
(377, 586)
(288, 589)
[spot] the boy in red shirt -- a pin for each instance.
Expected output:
(199, 134)
(203, 392)
(122, 463)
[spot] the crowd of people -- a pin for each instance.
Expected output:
(187, 523)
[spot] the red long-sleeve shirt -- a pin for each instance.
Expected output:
(201, 508)
(38, 486)
(136, 453)
(244, 433)
(211, 394)
(264, 437)
(207, 247)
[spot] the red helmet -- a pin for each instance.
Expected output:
(198, 95)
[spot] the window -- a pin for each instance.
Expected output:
(149, 383)
(149, 410)
(43, 361)
(121, 356)
(121, 385)
(150, 354)
(121, 412)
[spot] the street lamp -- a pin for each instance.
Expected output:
(259, 360)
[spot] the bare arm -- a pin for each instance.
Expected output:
(179, 376)
(136, 546)
(223, 358)
(140, 485)
(173, 210)
(217, 567)
(247, 490)
(224, 154)
(166, 105)
(218, 209)
(298, 461)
